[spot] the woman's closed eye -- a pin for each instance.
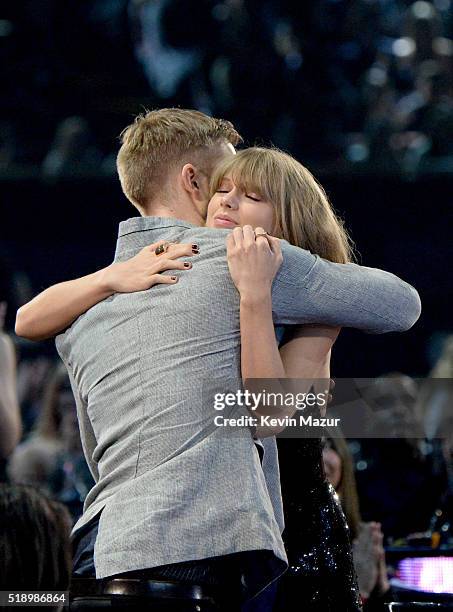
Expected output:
(253, 196)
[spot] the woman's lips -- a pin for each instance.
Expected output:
(220, 222)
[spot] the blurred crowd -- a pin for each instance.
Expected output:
(339, 83)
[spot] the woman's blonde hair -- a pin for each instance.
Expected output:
(303, 214)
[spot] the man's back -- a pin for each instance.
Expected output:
(174, 486)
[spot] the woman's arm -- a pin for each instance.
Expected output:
(57, 307)
(253, 265)
(307, 353)
(306, 357)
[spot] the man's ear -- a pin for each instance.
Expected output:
(190, 180)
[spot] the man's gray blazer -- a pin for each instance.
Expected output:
(170, 486)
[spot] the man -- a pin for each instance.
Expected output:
(172, 495)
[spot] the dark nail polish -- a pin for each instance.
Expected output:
(195, 246)
(173, 278)
(195, 251)
(187, 264)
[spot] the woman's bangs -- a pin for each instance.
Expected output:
(250, 170)
(220, 171)
(249, 176)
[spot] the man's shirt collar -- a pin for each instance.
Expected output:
(142, 224)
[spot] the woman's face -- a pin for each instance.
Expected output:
(332, 466)
(230, 207)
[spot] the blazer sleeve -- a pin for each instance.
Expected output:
(308, 289)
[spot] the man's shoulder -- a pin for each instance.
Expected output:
(139, 231)
(207, 235)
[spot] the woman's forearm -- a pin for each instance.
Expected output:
(58, 306)
(260, 357)
(306, 360)
(254, 258)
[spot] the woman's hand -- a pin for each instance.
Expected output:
(144, 269)
(253, 261)
(368, 552)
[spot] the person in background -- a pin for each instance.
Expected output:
(436, 393)
(367, 537)
(34, 541)
(51, 458)
(399, 469)
(434, 408)
(33, 373)
(10, 420)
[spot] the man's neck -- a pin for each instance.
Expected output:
(174, 212)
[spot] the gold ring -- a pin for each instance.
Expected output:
(162, 248)
(261, 234)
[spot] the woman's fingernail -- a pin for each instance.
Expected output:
(174, 278)
(195, 251)
(187, 264)
(195, 246)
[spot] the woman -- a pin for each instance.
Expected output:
(367, 538)
(273, 190)
(267, 190)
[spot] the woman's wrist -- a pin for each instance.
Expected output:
(256, 299)
(105, 280)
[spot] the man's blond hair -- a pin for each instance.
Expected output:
(159, 139)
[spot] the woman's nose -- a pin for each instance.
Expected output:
(228, 201)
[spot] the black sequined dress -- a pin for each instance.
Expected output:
(321, 574)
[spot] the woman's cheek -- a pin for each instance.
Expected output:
(212, 208)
